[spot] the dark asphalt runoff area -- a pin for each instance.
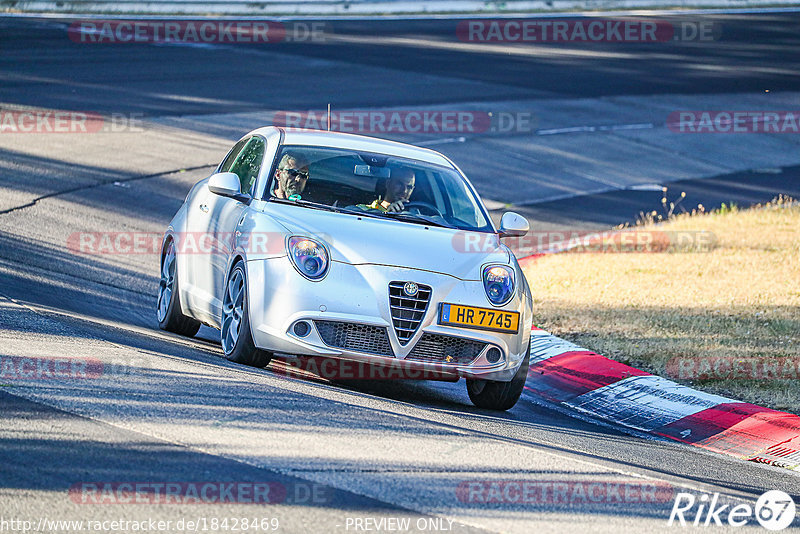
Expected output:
(42, 67)
(174, 410)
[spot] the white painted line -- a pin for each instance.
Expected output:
(442, 141)
(602, 128)
(646, 187)
(534, 50)
(645, 402)
(565, 196)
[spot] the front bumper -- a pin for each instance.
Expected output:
(358, 294)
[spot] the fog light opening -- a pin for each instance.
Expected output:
(493, 355)
(302, 328)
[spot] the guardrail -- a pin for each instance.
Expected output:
(357, 7)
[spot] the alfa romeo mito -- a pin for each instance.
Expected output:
(321, 244)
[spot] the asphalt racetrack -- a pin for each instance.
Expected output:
(591, 124)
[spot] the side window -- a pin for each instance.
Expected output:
(457, 196)
(228, 163)
(248, 164)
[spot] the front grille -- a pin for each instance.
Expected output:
(407, 312)
(355, 337)
(445, 349)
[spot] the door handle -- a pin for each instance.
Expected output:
(204, 208)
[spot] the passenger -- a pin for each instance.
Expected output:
(291, 176)
(399, 187)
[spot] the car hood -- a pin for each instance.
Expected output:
(368, 240)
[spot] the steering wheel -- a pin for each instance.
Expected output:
(432, 210)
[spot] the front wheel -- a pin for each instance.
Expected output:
(168, 310)
(494, 395)
(237, 341)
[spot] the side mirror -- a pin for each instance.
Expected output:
(226, 184)
(513, 225)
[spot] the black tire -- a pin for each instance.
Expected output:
(494, 395)
(239, 348)
(168, 306)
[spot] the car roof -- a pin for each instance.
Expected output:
(354, 142)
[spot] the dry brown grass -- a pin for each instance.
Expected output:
(738, 301)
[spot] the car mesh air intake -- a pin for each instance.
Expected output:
(407, 311)
(445, 349)
(355, 337)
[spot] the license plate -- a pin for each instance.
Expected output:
(479, 318)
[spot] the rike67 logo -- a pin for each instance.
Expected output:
(774, 510)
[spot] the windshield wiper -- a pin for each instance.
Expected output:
(418, 219)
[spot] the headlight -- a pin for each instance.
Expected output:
(309, 256)
(498, 281)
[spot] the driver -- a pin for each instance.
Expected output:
(291, 176)
(398, 190)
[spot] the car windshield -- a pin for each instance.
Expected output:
(376, 185)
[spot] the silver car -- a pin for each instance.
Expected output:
(310, 244)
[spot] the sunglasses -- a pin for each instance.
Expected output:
(295, 172)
